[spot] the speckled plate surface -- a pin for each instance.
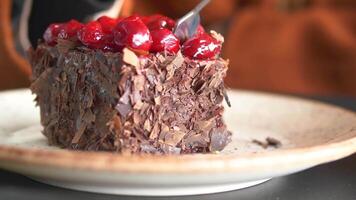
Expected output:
(311, 133)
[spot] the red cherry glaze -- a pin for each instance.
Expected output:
(142, 34)
(132, 33)
(92, 35)
(51, 33)
(158, 22)
(164, 40)
(108, 23)
(70, 29)
(109, 44)
(201, 47)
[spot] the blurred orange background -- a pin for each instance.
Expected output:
(286, 46)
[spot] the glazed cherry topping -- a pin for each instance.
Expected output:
(158, 22)
(108, 23)
(142, 34)
(51, 33)
(134, 34)
(164, 40)
(92, 35)
(69, 30)
(201, 47)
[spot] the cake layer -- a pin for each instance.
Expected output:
(162, 104)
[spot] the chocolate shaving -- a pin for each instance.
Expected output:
(269, 142)
(217, 36)
(226, 98)
(155, 131)
(176, 63)
(64, 46)
(125, 97)
(220, 137)
(157, 100)
(147, 125)
(147, 148)
(102, 101)
(173, 137)
(130, 57)
(138, 82)
(124, 109)
(168, 149)
(273, 142)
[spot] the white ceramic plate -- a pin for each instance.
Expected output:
(311, 133)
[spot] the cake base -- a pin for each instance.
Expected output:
(151, 189)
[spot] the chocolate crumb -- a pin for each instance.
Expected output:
(273, 142)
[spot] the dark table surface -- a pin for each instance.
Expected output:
(332, 181)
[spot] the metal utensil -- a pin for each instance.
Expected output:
(187, 26)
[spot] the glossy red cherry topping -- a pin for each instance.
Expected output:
(158, 22)
(51, 33)
(164, 40)
(108, 23)
(142, 34)
(133, 33)
(92, 35)
(201, 47)
(70, 29)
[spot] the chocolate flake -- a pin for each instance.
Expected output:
(269, 142)
(273, 142)
(168, 149)
(65, 45)
(219, 139)
(173, 137)
(217, 36)
(139, 82)
(123, 109)
(176, 63)
(155, 131)
(130, 57)
(157, 100)
(147, 125)
(226, 98)
(102, 101)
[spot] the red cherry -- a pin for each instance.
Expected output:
(158, 22)
(133, 33)
(107, 23)
(201, 47)
(70, 29)
(51, 33)
(92, 35)
(109, 44)
(164, 40)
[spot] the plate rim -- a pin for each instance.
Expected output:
(196, 163)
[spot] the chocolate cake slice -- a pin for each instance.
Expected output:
(95, 95)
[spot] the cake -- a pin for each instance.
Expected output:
(129, 85)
